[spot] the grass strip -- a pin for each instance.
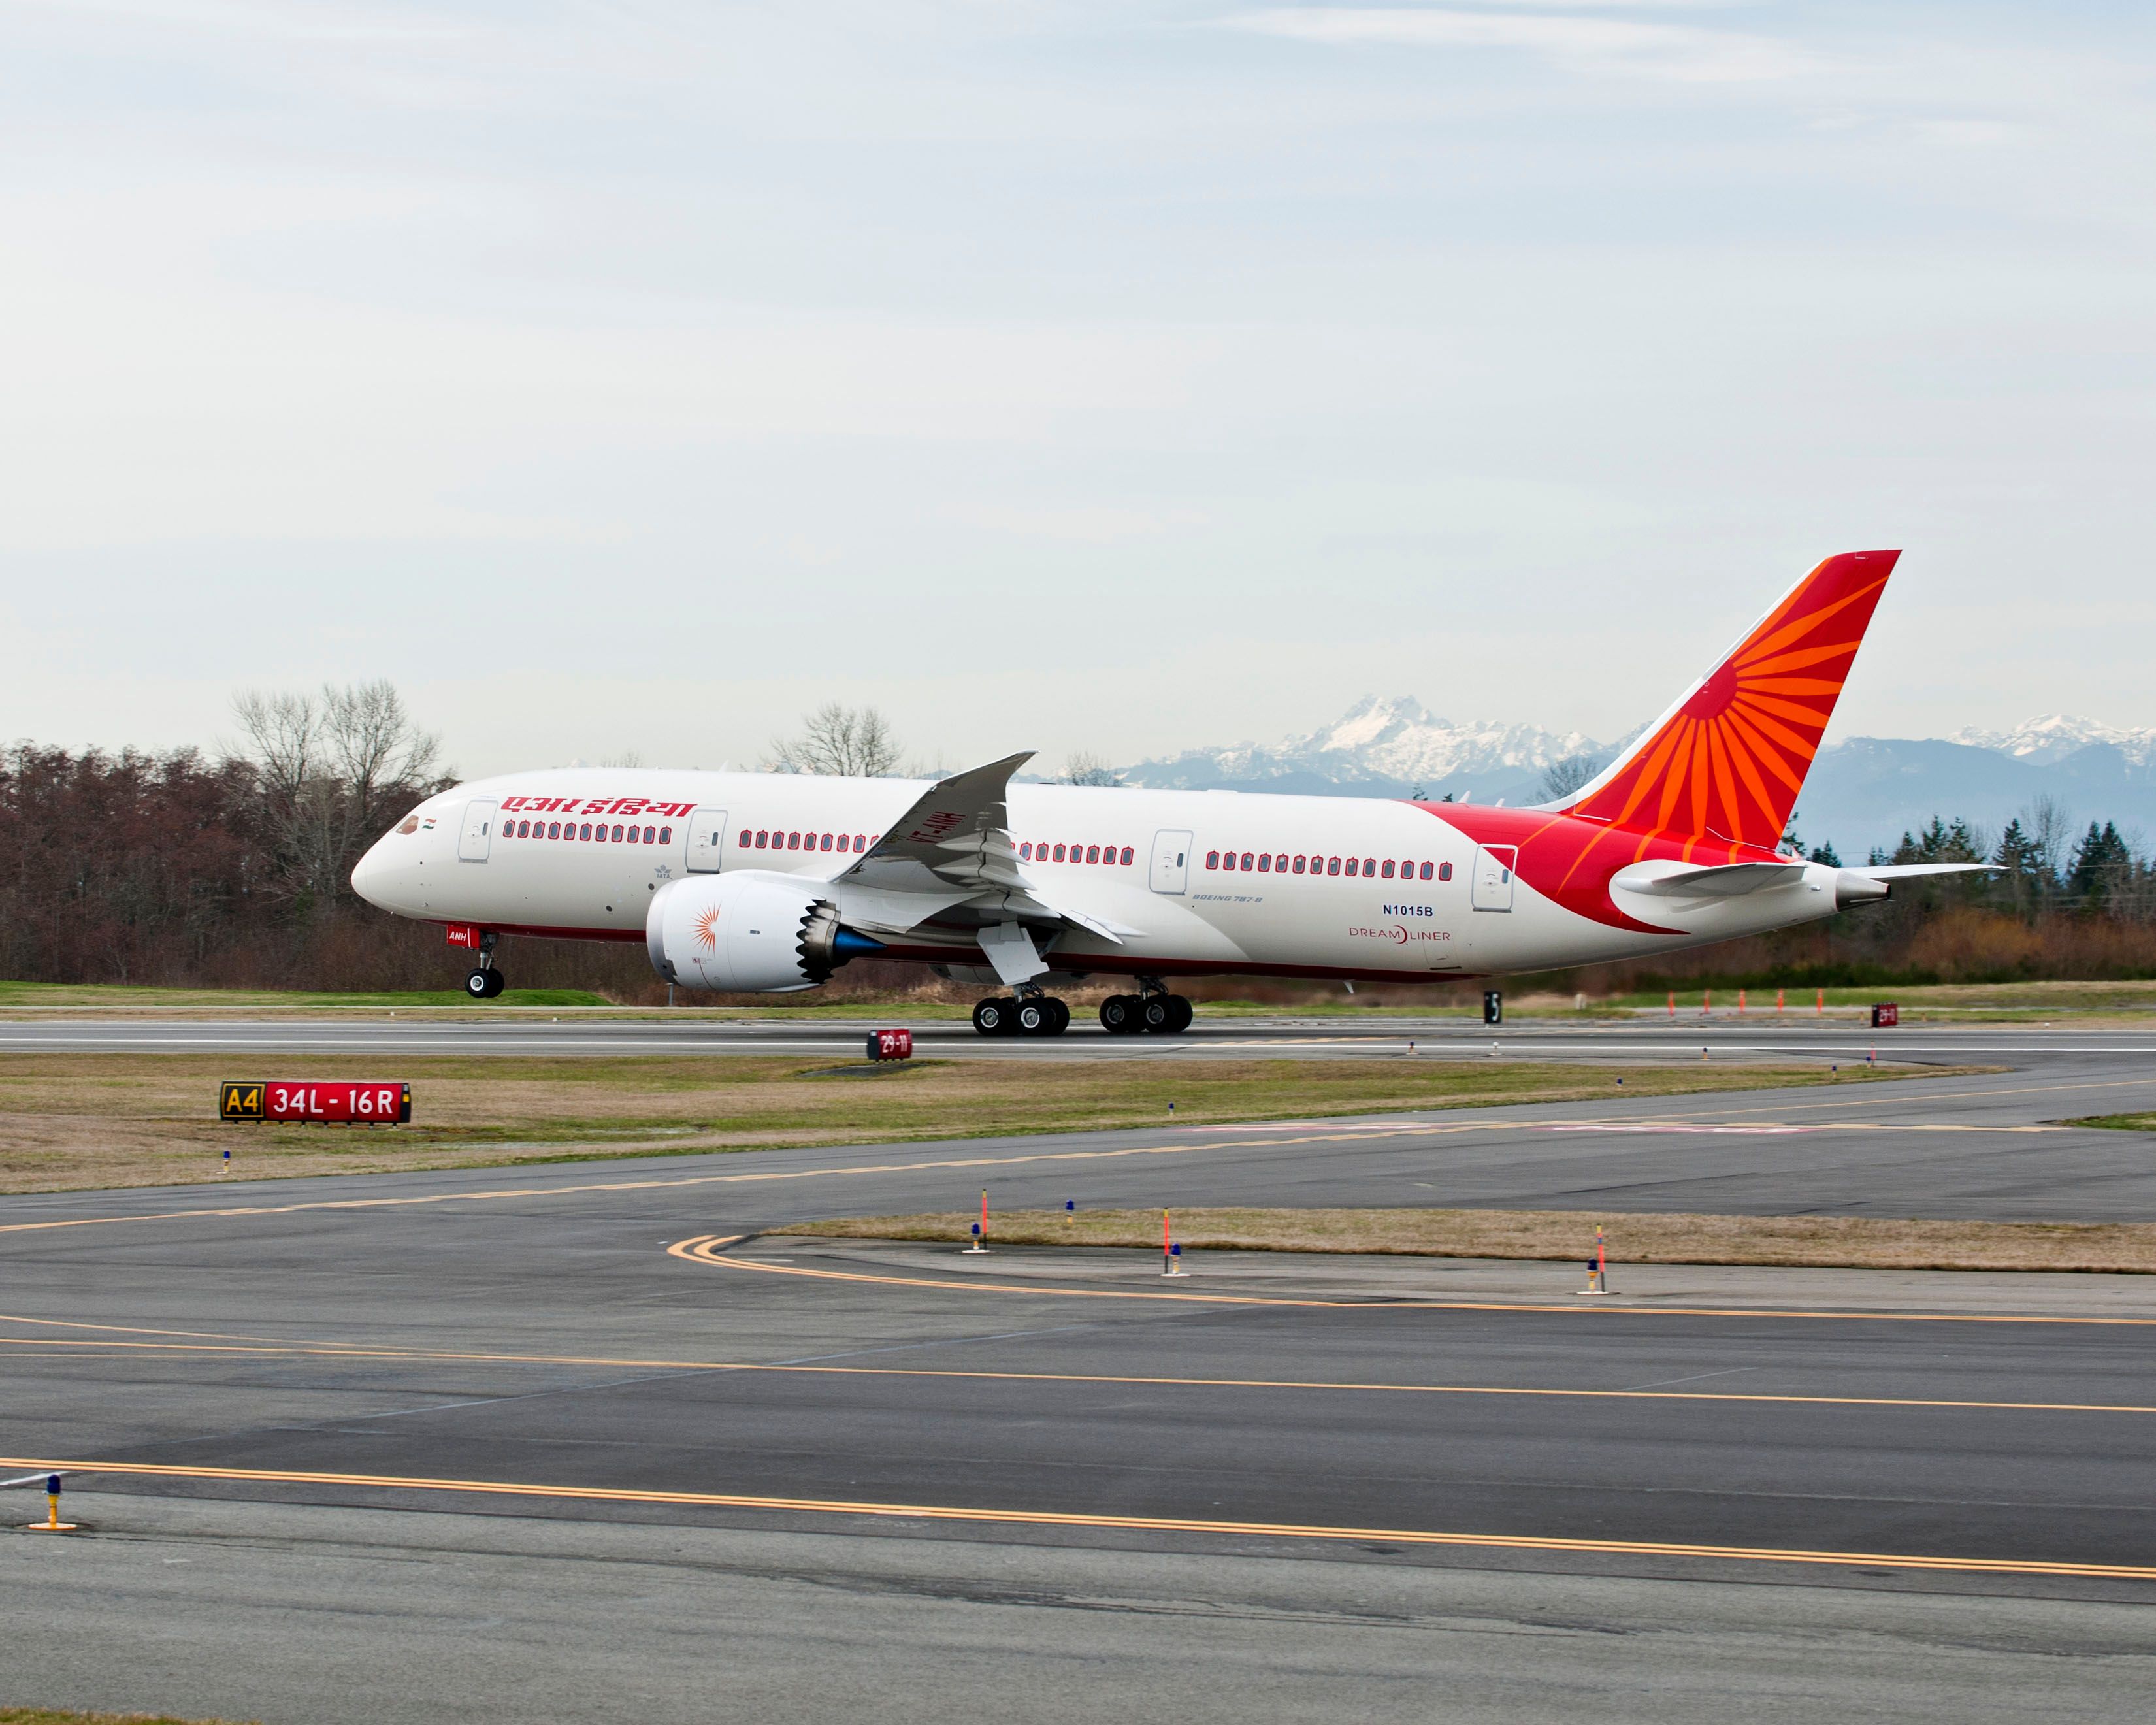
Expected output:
(73, 1120)
(49, 1716)
(1816, 1242)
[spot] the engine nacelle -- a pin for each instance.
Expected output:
(748, 933)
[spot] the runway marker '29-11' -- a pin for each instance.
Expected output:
(324, 1102)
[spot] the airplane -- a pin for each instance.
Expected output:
(769, 883)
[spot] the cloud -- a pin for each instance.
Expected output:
(1592, 43)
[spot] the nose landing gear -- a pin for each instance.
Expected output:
(484, 983)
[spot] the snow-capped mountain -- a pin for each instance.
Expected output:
(1381, 747)
(2055, 736)
(1861, 792)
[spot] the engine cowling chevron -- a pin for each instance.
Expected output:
(750, 934)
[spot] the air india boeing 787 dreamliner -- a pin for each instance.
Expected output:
(768, 882)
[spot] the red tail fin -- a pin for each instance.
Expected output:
(1725, 764)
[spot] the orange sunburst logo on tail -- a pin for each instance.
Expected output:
(1726, 766)
(707, 929)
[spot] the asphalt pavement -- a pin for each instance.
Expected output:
(1757, 1037)
(583, 1442)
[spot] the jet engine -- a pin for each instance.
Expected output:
(748, 933)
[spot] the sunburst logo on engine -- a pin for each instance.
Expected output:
(707, 929)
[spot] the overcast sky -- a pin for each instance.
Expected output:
(630, 375)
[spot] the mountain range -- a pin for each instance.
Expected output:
(1863, 791)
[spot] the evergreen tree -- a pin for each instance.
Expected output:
(1825, 855)
(2019, 858)
(2102, 874)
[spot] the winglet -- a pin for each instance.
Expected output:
(1725, 763)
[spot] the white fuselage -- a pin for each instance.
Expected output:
(1424, 901)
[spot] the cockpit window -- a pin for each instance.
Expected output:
(410, 824)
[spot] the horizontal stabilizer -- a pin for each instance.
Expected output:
(1728, 881)
(1911, 872)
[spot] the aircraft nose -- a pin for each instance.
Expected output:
(371, 874)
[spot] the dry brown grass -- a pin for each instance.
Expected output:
(1823, 1242)
(68, 1122)
(47, 1716)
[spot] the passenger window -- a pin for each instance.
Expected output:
(825, 844)
(1246, 859)
(1353, 866)
(666, 835)
(860, 845)
(554, 830)
(616, 835)
(1425, 871)
(748, 838)
(584, 832)
(1126, 856)
(1228, 861)
(1212, 859)
(1388, 870)
(1058, 857)
(1445, 871)
(763, 838)
(794, 841)
(1092, 853)
(1265, 863)
(1298, 866)
(1332, 865)
(1025, 851)
(1369, 866)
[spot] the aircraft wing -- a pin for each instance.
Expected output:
(951, 851)
(956, 835)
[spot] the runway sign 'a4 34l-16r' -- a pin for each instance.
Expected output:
(330, 1102)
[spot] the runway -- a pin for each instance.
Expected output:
(1759, 1037)
(600, 1419)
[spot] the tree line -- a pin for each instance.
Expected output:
(231, 867)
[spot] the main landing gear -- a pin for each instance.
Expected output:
(486, 982)
(1155, 1013)
(1026, 1015)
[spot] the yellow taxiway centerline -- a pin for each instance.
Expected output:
(1059, 1518)
(703, 1249)
(257, 1348)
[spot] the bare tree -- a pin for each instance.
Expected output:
(373, 745)
(844, 741)
(330, 773)
(2050, 825)
(1561, 779)
(1084, 768)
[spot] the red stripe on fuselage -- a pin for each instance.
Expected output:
(1570, 862)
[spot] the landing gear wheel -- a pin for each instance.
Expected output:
(484, 984)
(1119, 1015)
(1164, 1014)
(1035, 1018)
(996, 1017)
(1062, 1017)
